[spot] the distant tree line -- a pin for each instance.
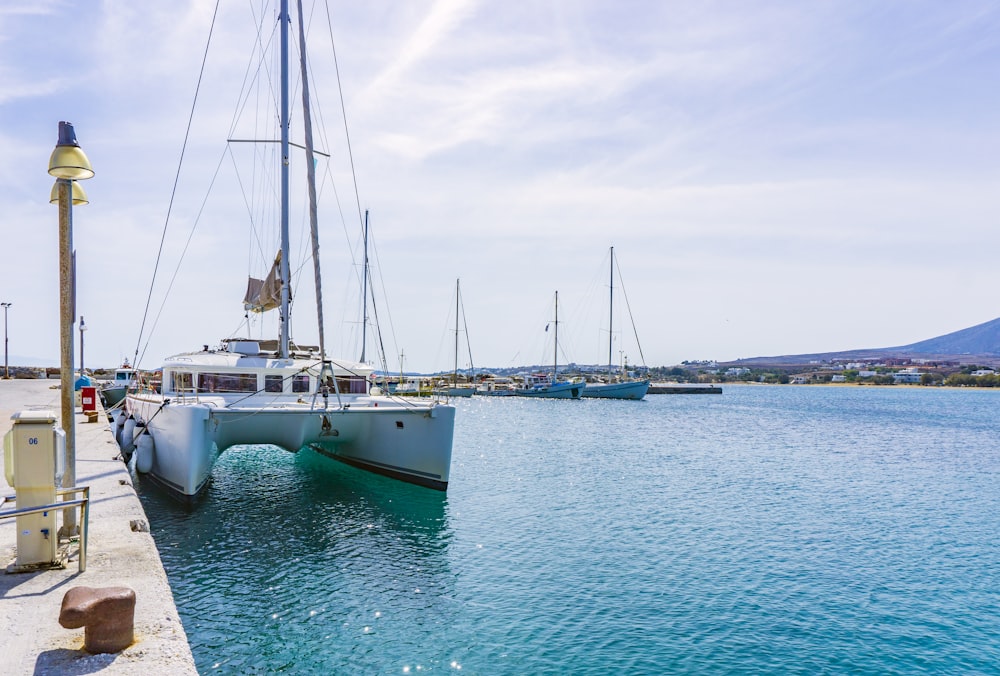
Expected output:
(968, 380)
(695, 373)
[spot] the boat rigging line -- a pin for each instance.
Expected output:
(173, 192)
(311, 183)
(621, 285)
(149, 323)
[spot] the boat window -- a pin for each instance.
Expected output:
(352, 385)
(273, 383)
(300, 383)
(227, 382)
(181, 382)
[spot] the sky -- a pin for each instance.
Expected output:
(775, 177)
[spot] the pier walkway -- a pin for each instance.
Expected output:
(31, 639)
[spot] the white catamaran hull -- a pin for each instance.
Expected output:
(411, 443)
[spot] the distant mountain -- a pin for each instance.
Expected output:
(977, 344)
(983, 339)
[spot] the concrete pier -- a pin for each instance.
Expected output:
(683, 388)
(120, 553)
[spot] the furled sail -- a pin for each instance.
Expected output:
(265, 294)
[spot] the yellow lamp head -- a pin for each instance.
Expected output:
(79, 196)
(68, 159)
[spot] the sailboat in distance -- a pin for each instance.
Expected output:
(618, 385)
(455, 389)
(550, 386)
(274, 391)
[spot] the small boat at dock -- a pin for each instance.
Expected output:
(113, 392)
(550, 386)
(627, 389)
(495, 386)
(454, 388)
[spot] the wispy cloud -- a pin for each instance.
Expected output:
(440, 22)
(535, 81)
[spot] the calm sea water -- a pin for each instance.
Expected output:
(770, 529)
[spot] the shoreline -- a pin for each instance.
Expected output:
(914, 386)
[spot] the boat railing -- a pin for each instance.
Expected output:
(185, 395)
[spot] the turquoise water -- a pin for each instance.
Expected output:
(772, 529)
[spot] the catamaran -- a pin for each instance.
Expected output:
(247, 391)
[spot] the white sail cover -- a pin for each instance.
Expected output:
(265, 294)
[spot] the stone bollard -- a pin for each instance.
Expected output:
(107, 615)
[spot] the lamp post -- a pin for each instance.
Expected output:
(83, 327)
(6, 368)
(68, 164)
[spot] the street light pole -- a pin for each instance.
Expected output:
(83, 327)
(6, 368)
(68, 163)
(66, 341)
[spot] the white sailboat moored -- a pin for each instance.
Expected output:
(617, 385)
(551, 387)
(455, 389)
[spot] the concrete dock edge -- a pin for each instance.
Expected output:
(120, 553)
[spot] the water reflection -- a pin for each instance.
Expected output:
(287, 545)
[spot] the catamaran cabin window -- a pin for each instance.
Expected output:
(300, 383)
(181, 382)
(227, 382)
(273, 383)
(351, 385)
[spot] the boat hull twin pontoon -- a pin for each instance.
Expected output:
(189, 425)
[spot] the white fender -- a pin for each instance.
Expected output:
(120, 419)
(127, 442)
(145, 449)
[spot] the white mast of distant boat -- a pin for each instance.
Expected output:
(454, 377)
(611, 316)
(555, 351)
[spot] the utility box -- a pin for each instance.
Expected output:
(88, 394)
(34, 463)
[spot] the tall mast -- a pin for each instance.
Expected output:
(284, 19)
(311, 183)
(611, 314)
(454, 378)
(364, 295)
(555, 351)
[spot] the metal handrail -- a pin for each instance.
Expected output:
(83, 502)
